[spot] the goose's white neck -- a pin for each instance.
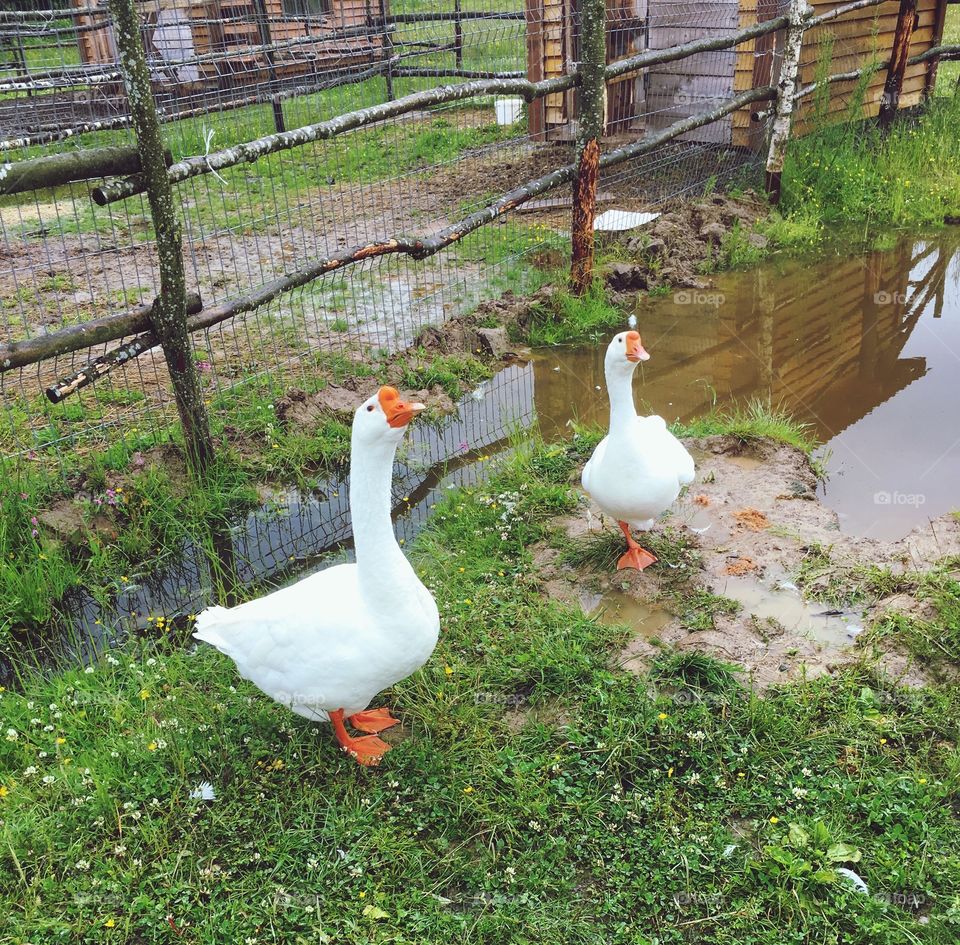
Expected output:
(623, 412)
(384, 572)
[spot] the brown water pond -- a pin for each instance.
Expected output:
(865, 349)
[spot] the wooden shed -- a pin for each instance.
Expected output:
(668, 92)
(207, 41)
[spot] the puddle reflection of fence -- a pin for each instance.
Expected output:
(283, 539)
(825, 341)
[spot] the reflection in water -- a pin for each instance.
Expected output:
(866, 350)
(288, 535)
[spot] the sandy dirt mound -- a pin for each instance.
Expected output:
(751, 519)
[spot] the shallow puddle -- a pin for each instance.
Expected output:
(776, 606)
(616, 608)
(866, 350)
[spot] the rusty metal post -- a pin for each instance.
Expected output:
(590, 123)
(906, 21)
(800, 14)
(169, 315)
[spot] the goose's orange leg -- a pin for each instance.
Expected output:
(373, 720)
(366, 750)
(635, 556)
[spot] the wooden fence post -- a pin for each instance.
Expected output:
(906, 20)
(939, 21)
(800, 13)
(590, 123)
(458, 33)
(169, 315)
(387, 47)
(266, 40)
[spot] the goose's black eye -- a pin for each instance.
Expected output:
(370, 408)
(619, 341)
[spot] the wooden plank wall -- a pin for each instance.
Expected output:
(237, 29)
(852, 42)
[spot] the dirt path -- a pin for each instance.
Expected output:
(755, 527)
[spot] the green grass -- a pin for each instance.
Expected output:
(754, 421)
(851, 175)
(540, 795)
(568, 317)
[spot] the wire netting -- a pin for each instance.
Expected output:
(229, 71)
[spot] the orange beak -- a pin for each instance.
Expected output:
(398, 412)
(635, 350)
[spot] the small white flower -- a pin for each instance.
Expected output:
(204, 791)
(89, 670)
(48, 779)
(12, 734)
(806, 772)
(151, 662)
(82, 865)
(53, 707)
(30, 769)
(113, 661)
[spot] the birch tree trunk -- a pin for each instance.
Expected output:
(590, 118)
(169, 314)
(800, 14)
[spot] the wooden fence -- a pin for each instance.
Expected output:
(175, 313)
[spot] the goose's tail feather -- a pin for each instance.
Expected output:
(208, 624)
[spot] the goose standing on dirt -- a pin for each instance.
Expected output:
(325, 646)
(637, 470)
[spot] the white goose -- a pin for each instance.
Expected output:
(325, 646)
(636, 471)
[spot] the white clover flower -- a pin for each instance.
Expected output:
(12, 734)
(89, 670)
(30, 769)
(48, 779)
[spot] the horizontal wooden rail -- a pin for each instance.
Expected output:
(418, 247)
(15, 354)
(56, 169)
(455, 17)
(947, 53)
(270, 144)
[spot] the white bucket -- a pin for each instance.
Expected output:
(508, 110)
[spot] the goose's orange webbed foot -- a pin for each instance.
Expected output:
(635, 556)
(366, 750)
(373, 720)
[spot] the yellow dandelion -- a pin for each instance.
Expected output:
(109, 924)
(61, 740)
(468, 789)
(774, 820)
(662, 716)
(448, 670)
(4, 790)
(152, 746)
(922, 781)
(461, 570)
(883, 741)
(144, 694)
(362, 895)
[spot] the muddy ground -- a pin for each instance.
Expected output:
(753, 520)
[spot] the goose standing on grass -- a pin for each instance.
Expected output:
(325, 646)
(637, 470)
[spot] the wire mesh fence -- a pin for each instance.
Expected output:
(225, 72)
